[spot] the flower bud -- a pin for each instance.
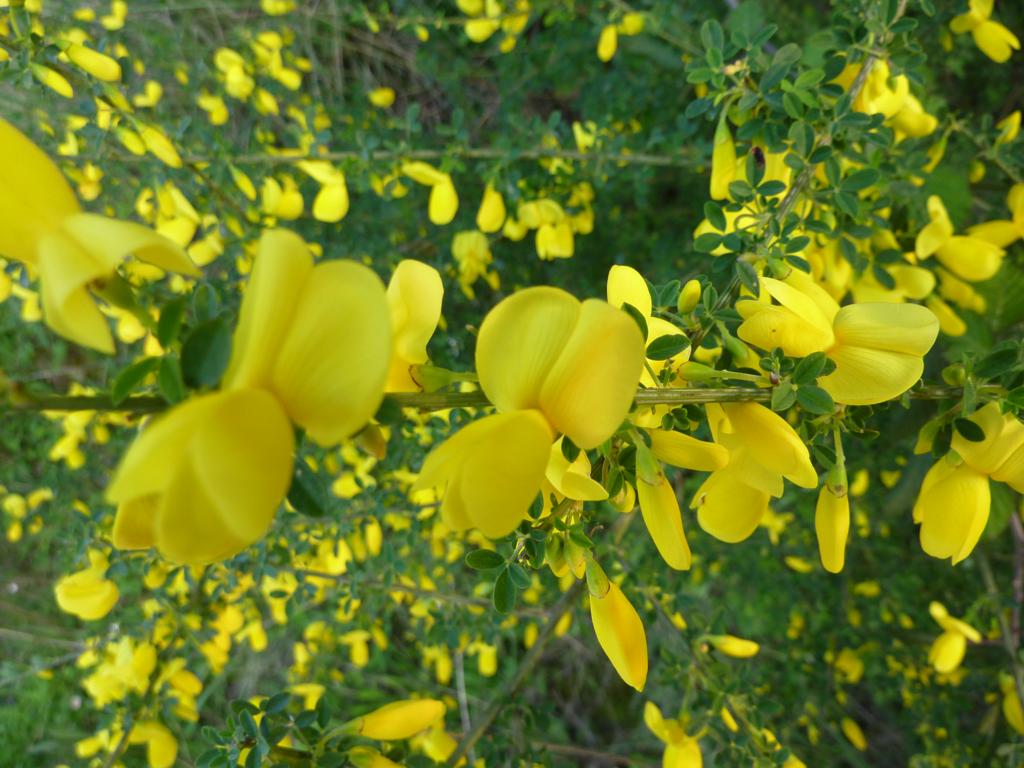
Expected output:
(689, 297)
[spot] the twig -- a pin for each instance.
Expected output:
(529, 662)
(460, 689)
(1005, 631)
(1017, 529)
(438, 401)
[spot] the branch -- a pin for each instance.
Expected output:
(503, 696)
(439, 401)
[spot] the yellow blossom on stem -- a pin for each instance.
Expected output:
(948, 649)
(73, 252)
(88, 594)
(994, 40)
(877, 347)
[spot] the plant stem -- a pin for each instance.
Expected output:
(504, 696)
(437, 401)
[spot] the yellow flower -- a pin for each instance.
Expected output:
(382, 98)
(1012, 710)
(607, 43)
(551, 365)
(491, 214)
(620, 633)
(954, 502)
(42, 226)
(681, 750)
(414, 297)
(444, 200)
(1003, 232)
(331, 203)
(832, 525)
(763, 449)
(948, 649)
(161, 746)
(853, 733)
(994, 40)
(970, 257)
(491, 471)
(737, 647)
(87, 594)
(205, 480)
(97, 64)
(52, 79)
(877, 347)
(576, 362)
(723, 161)
(398, 720)
(330, 321)
(952, 508)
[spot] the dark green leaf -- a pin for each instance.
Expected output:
(169, 325)
(969, 430)
(484, 559)
(809, 369)
(859, 180)
(504, 593)
(306, 492)
(783, 396)
(169, 381)
(131, 377)
(638, 318)
(205, 353)
(707, 242)
(664, 347)
(815, 400)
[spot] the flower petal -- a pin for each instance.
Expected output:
(620, 632)
(664, 521)
(867, 376)
(110, 240)
(333, 363)
(282, 266)
(414, 294)
(832, 526)
(727, 508)
(907, 328)
(519, 342)
(34, 195)
(687, 452)
(627, 286)
(590, 388)
(953, 508)
(226, 491)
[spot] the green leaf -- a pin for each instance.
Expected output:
(707, 242)
(169, 325)
(276, 703)
(771, 188)
(169, 380)
(809, 369)
(504, 596)
(815, 400)
(969, 430)
(638, 318)
(997, 362)
(484, 559)
(520, 577)
(131, 377)
(715, 216)
(205, 302)
(859, 180)
(783, 396)
(664, 347)
(205, 353)
(306, 492)
(748, 276)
